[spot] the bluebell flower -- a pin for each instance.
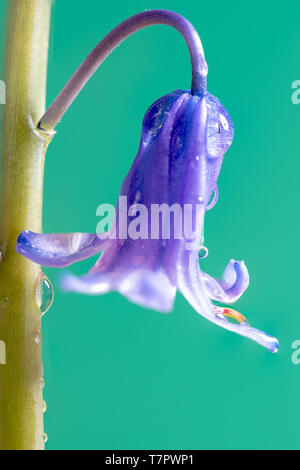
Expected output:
(184, 138)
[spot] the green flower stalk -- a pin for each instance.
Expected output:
(23, 153)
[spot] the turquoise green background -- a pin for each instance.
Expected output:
(121, 377)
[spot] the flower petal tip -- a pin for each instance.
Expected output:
(264, 339)
(274, 344)
(23, 246)
(275, 348)
(22, 239)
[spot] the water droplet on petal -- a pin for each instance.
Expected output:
(214, 198)
(37, 336)
(224, 122)
(45, 438)
(231, 315)
(44, 293)
(44, 406)
(203, 252)
(42, 382)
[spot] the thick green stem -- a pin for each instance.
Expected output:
(21, 409)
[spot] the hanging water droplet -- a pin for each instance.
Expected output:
(44, 406)
(44, 293)
(214, 198)
(42, 382)
(45, 438)
(37, 336)
(203, 252)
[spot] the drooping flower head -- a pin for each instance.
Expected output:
(152, 249)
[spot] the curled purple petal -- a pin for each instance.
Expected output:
(58, 250)
(191, 282)
(235, 282)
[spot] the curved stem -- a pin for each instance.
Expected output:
(68, 94)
